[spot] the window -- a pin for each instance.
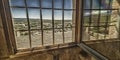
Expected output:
(38, 23)
(42, 23)
(100, 26)
(100, 20)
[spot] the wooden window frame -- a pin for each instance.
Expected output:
(10, 37)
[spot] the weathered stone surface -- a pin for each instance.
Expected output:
(3, 45)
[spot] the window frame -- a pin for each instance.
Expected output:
(9, 32)
(10, 36)
(99, 19)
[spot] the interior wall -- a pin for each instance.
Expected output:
(60, 54)
(3, 45)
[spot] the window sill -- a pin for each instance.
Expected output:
(101, 40)
(38, 50)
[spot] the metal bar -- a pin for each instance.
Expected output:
(99, 26)
(63, 20)
(92, 52)
(82, 20)
(28, 23)
(104, 22)
(99, 18)
(53, 22)
(102, 40)
(90, 17)
(107, 19)
(100, 9)
(43, 29)
(39, 8)
(41, 22)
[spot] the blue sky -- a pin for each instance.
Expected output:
(46, 14)
(96, 5)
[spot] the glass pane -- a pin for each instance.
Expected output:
(36, 38)
(58, 3)
(87, 4)
(47, 27)
(20, 14)
(86, 17)
(20, 27)
(107, 31)
(33, 3)
(68, 15)
(46, 3)
(20, 21)
(96, 4)
(105, 4)
(17, 3)
(68, 4)
(68, 26)
(34, 16)
(58, 26)
(35, 24)
(22, 39)
(34, 13)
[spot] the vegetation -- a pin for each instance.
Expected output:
(102, 29)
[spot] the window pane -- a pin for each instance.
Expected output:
(47, 14)
(47, 27)
(22, 39)
(20, 28)
(104, 26)
(96, 4)
(105, 4)
(58, 3)
(68, 4)
(17, 3)
(21, 23)
(46, 3)
(35, 24)
(68, 26)
(20, 14)
(34, 13)
(87, 4)
(68, 15)
(58, 14)
(19, 18)
(36, 38)
(34, 16)
(58, 26)
(33, 3)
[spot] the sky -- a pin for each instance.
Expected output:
(96, 5)
(46, 14)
